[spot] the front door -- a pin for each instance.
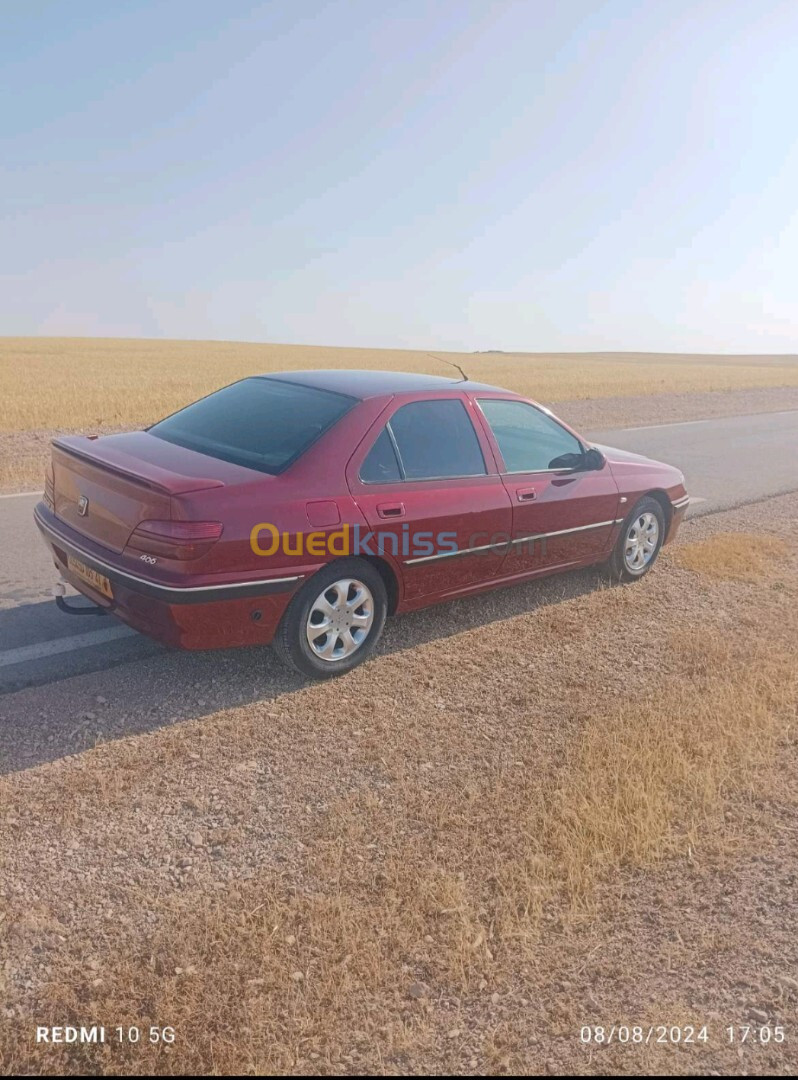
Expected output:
(563, 514)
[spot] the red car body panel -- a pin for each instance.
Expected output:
(231, 595)
(464, 507)
(568, 504)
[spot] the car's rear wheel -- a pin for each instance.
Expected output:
(334, 621)
(640, 541)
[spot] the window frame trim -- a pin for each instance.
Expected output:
(402, 473)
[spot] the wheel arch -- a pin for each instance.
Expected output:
(662, 498)
(384, 569)
(390, 580)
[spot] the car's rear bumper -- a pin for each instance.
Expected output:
(197, 616)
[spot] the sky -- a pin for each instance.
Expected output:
(525, 175)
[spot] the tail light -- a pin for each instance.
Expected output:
(175, 539)
(49, 486)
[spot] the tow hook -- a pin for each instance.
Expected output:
(59, 591)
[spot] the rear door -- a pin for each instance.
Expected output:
(562, 514)
(427, 484)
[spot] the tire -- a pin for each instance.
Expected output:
(302, 641)
(640, 541)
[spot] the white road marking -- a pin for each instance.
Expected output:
(22, 495)
(691, 423)
(696, 499)
(27, 653)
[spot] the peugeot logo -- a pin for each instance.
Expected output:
(83, 506)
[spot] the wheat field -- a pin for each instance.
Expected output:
(51, 384)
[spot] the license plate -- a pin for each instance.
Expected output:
(91, 577)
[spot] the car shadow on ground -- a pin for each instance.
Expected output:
(140, 687)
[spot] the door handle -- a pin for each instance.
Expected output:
(526, 494)
(391, 510)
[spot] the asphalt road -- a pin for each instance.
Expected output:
(727, 462)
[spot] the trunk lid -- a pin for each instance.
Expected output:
(104, 487)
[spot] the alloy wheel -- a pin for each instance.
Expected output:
(642, 538)
(340, 619)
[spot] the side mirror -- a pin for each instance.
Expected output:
(568, 462)
(593, 460)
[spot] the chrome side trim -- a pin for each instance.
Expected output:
(684, 501)
(512, 543)
(454, 554)
(537, 472)
(564, 532)
(147, 582)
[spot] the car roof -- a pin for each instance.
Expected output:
(365, 384)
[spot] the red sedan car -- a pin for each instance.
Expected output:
(301, 509)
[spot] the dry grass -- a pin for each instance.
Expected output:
(478, 840)
(646, 779)
(59, 383)
(735, 556)
(443, 888)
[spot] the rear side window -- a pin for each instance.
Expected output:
(529, 440)
(436, 439)
(262, 423)
(381, 465)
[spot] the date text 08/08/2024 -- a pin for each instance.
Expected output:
(686, 1034)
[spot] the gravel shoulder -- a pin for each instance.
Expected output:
(619, 412)
(327, 879)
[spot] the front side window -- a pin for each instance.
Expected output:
(433, 440)
(262, 423)
(529, 440)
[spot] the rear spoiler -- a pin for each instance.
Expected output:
(110, 458)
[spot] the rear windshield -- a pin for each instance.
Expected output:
(261, 423)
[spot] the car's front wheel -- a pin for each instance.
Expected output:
(640, 541)
(334, 621)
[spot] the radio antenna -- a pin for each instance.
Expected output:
(451, 363)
